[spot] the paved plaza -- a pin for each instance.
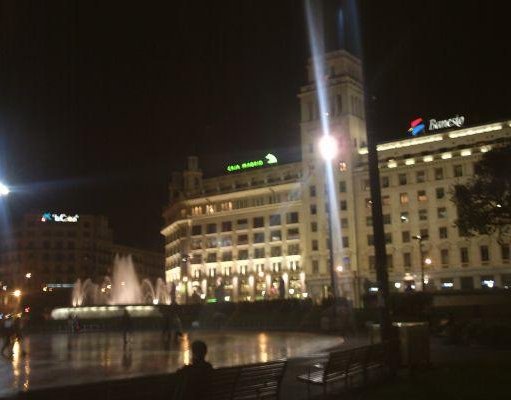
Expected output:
(62, 359)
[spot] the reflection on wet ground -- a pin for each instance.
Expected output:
(62, 359)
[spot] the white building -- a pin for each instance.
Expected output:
(262, 226)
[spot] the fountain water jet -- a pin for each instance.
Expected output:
(122, 288)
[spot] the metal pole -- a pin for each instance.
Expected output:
(331, 257)
(379, 239)
(422, 264)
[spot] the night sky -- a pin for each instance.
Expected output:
(101, 100)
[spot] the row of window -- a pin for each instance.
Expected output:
(274, 198)
(484, 253)
(392, 163)
(275, 251)
(260, 269)
(404, 198)
(420, 177)
(257, 222)
(243, 239)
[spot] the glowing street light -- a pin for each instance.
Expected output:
(28, 275)
(4, 190)
(328, 147)
(17, 293)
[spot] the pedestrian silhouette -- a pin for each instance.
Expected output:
(191, 379)
(126, 326)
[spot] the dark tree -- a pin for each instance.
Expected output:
(484, 202)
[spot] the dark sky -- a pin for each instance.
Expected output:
(101, 100)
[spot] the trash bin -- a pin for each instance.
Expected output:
(413, 342)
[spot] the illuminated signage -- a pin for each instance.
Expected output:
(417, 126)
(456, 121)
(269, 159)
(50, 217)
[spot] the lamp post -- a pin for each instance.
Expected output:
(328, 150)
(4, 190)
(419, 239)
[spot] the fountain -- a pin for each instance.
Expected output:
(115, 294)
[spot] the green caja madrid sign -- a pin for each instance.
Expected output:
(269, 159)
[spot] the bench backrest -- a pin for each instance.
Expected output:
(221, 382)
(338, 363)
(260, 381)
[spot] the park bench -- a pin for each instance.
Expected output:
(345, 365)
(260, 381)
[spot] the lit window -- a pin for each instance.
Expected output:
(410, 161)
(392, 164)
(403, 198)
(343, 167)
(466, 152)
(428, 158)
(441, 212)
(422, 196)
(446, 156)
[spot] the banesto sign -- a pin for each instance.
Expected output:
(418, 126)
(456, 121)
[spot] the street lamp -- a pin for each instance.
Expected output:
(4, 190)
(424, 260)
(328, 149)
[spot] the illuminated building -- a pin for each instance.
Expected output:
(43, 252)
(246, 230)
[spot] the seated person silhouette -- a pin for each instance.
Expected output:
(191, 379)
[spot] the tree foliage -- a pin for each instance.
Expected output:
(484, 201)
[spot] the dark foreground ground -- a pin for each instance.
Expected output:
(457, 372)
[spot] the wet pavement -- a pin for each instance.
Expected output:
(62, 359)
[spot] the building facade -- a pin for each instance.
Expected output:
(263, 232)
(46, 251)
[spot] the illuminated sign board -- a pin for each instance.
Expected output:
(50, 217)
(269, 159)
(417, 126)
(456, 121)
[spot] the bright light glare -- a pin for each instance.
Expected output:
(4, 190)
(155, 301)
(428, 261)
(397, 285)
(328, 147)
(17, 293)
(28, 275)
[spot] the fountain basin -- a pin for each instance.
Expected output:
(105, 312)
